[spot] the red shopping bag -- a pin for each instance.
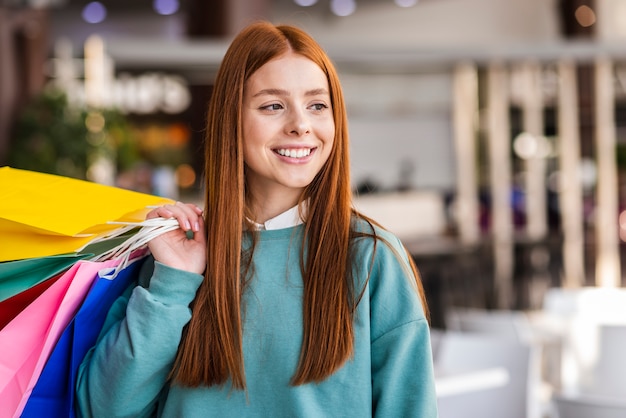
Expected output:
(27, 341)
(12, 306)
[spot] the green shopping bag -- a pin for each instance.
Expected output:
(20, 275)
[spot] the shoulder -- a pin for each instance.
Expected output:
(380, 255)
(372, 239)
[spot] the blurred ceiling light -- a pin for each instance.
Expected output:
(305, 3)
(165, 7)
(40, 4)
(35, 4)
(585, 16)
(405, 3)
(342, 7)
(94, 12)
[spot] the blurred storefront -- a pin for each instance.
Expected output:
(465, 101)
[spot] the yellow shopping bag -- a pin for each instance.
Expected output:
(44, 214)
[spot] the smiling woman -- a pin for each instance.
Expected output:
(285, 300)
(288, 132)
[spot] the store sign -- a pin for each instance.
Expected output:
(143, 94)
(150, 93)
(92, 82)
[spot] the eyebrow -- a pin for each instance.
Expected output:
(281, 92)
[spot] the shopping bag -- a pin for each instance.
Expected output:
(45, 214)
(33, 275)
(19, 275)
(28, 244)
(27, 341)
(53, 394)
(12, 306)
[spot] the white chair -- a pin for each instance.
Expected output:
(516, 327)
(436, 335)
(579, 315)
(608, 375)
(504, 323)
(587, 406)
(410, 215)
(463, 353)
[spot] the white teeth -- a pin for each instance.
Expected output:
(293, 153)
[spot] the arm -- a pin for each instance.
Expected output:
(127, 369)
(402, 368)
(402, 373)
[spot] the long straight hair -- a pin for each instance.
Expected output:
(211, 349)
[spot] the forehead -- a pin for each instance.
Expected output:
(289, 69)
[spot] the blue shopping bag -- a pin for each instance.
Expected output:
(53, 394)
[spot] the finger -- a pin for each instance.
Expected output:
(196, 209)
(197, 215)
(199, 235)
(187, 216)
(160, 212)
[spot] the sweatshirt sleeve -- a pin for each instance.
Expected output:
(402, 367)
(123, 375)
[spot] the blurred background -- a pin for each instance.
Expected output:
(488, 134)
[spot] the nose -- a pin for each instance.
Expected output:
(299, 123)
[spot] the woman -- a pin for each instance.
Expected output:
(286, 302)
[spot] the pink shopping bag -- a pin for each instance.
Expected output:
(27, 341)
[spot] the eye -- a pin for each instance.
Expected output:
(318, 106)
(272, 107)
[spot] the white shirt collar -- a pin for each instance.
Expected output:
(287, 219)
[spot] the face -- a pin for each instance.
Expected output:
(288, 127)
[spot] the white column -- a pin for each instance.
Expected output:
(607, 228)
(465, 113)
(570, 185)
(535, 164)
(499, 144)
(99, 73)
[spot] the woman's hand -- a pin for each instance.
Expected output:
(174, 248)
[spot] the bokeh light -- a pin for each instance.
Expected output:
(305, 3)
(343, 7)
(585, 16)
(405, 3)
(95, 122)
(185, 175)
(94, 12)
(165, 7)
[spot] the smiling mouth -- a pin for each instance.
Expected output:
(294, 153)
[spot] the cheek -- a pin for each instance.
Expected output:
(329, 136)
(248, 146)
(328, 149)
(251, 136)
(326, 130)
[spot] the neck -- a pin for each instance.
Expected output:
(268, 207)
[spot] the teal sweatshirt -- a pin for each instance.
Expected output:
(389, 375)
